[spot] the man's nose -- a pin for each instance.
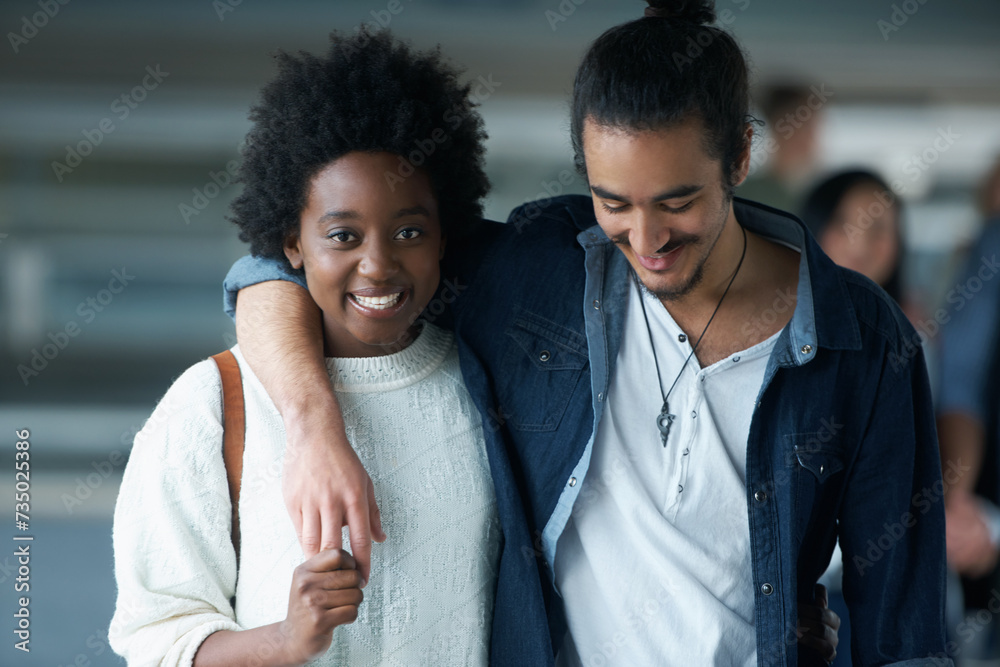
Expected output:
(647, 234)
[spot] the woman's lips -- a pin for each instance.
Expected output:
(380, 306)
(661, 262)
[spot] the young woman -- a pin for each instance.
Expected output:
(855, 216)
(327, 133)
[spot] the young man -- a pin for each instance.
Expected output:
(688, 402)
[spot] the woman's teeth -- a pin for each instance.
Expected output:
(378, 302)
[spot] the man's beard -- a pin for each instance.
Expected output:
(675, 293)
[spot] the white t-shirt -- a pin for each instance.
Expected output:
(654, 564)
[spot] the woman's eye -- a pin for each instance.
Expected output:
(409, 233)
(341, 237)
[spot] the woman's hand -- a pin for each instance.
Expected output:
(818, 626)
(325, 593)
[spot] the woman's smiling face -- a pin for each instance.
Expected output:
(370, 251)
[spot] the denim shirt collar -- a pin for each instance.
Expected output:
(833, 325)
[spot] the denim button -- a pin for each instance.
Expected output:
(767, 589)
(545, 355)
(572, 481)
(600, 397)
(682, 338)
(806, 349)
(597, 304)
(760, 496)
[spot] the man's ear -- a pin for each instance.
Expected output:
(743, 162)
(293, 249)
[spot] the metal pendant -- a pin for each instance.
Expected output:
(664, 421)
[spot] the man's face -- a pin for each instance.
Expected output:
(661, 198)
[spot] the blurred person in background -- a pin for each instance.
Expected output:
(989, 193)
(857, 220)
(793, 117)
(969, 426)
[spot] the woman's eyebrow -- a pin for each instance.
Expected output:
(413, 210)
(340, 215)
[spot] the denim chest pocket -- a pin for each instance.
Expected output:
(818, 461)
(541, 366)
(824, 460)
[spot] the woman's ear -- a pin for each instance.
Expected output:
(293, 249)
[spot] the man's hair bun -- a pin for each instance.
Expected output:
(700, 12)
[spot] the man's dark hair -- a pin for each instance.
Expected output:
(369, 93)
(660, 70)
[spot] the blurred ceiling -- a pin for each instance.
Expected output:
(864, 48)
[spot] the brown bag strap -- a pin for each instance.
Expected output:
(234, 433)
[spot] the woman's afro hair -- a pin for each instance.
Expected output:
(369, 93)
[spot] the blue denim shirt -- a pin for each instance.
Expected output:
(841, 443)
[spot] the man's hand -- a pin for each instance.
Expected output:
(325, 593)
(818, 626)
(970, 551)
(326, 488)
(324, 485)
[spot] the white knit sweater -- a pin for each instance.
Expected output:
(430, 596)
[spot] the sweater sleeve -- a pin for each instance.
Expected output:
(175, 565)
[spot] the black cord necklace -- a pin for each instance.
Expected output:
(665, 420)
